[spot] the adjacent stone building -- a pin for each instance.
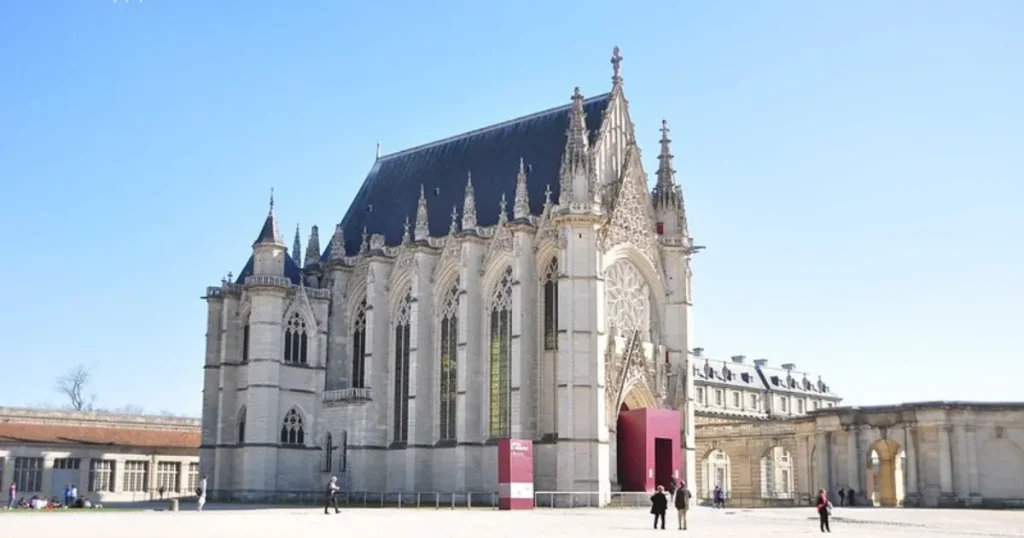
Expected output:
(934, 454)
(727, 391)
(519, 280)
(108, 457)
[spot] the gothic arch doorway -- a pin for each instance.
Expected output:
(886, 479)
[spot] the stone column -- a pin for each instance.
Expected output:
(961, 469)
(824, 464)
(974, 496)
(913, 495)
(423, 365)
(945, 467)
(523, 371)
(853, 459)
(471, 403)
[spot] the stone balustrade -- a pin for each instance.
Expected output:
(339, 396)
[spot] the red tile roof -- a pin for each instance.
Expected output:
(98, 435)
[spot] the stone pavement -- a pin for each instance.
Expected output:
(221, 521)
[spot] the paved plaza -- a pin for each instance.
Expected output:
(428, 523)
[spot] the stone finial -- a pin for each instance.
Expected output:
(406, 237)
(338, 243)
(453, 228)
(297, 248)
(378, 151)
(469, 205)
(422, 225)
(364, 246)
(231, 276)
(521, 204)
(547, 196)
(502, 210)
(313, 248)
(616, 66)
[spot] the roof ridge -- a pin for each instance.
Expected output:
(488, 128)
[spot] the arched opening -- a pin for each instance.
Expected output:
(777, 474)
(886, 479)
(716, 472)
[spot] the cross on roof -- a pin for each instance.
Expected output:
(616, 63)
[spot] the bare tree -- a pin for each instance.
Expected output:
(73, 385)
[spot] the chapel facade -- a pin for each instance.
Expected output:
(519, 280)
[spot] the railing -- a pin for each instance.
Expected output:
(318, 293)
(346, 395)
(361, 499)
(267, 280)
(792, 500)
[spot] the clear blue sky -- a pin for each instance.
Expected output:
(856, 169)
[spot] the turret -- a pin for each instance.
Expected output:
(269, 250)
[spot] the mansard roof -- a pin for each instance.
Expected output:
(391, 190)
(291, 270)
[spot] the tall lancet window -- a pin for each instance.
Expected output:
(501, 356)
(245, 341)
(241, 425)
(292, 432)
(401, 416)
(449, 361)
(359, 347)
(295, 340)
(328, 452)
(551, 305)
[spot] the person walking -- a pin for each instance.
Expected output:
(682, 499)
(824, 510)
(12, 496)
(672, 486)
(74, 495)
(842, 495)
(202, 493)
(332, 495)
(659, 505)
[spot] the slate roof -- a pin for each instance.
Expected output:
(492, 154)
(291, 270)
(97, 435)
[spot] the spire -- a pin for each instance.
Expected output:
(297, 248)
(378, 151)
(667, 195)
(422, 227)
(469, 205)
(502, 210)
(575, 170)
(270, 233)
(453, 228)
(547, 196)
(338, 243)
(521, 204)
(406, 238)
(313, 248)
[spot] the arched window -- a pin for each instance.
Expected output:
(401, 416)
(359, 347)
(550, 280)
(328, 452)
(501, 355)
(449, 361)
(292, 432)
(241, 425)
(245, 341)
(295, 340)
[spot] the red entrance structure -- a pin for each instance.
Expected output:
(648, 448)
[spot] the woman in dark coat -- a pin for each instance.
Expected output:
(659, 505)
(824, 510)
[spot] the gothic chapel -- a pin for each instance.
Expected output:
(519, 280)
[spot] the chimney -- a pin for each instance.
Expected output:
(761, 363)
(738, 359)
(788, 366)
(698, 351)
